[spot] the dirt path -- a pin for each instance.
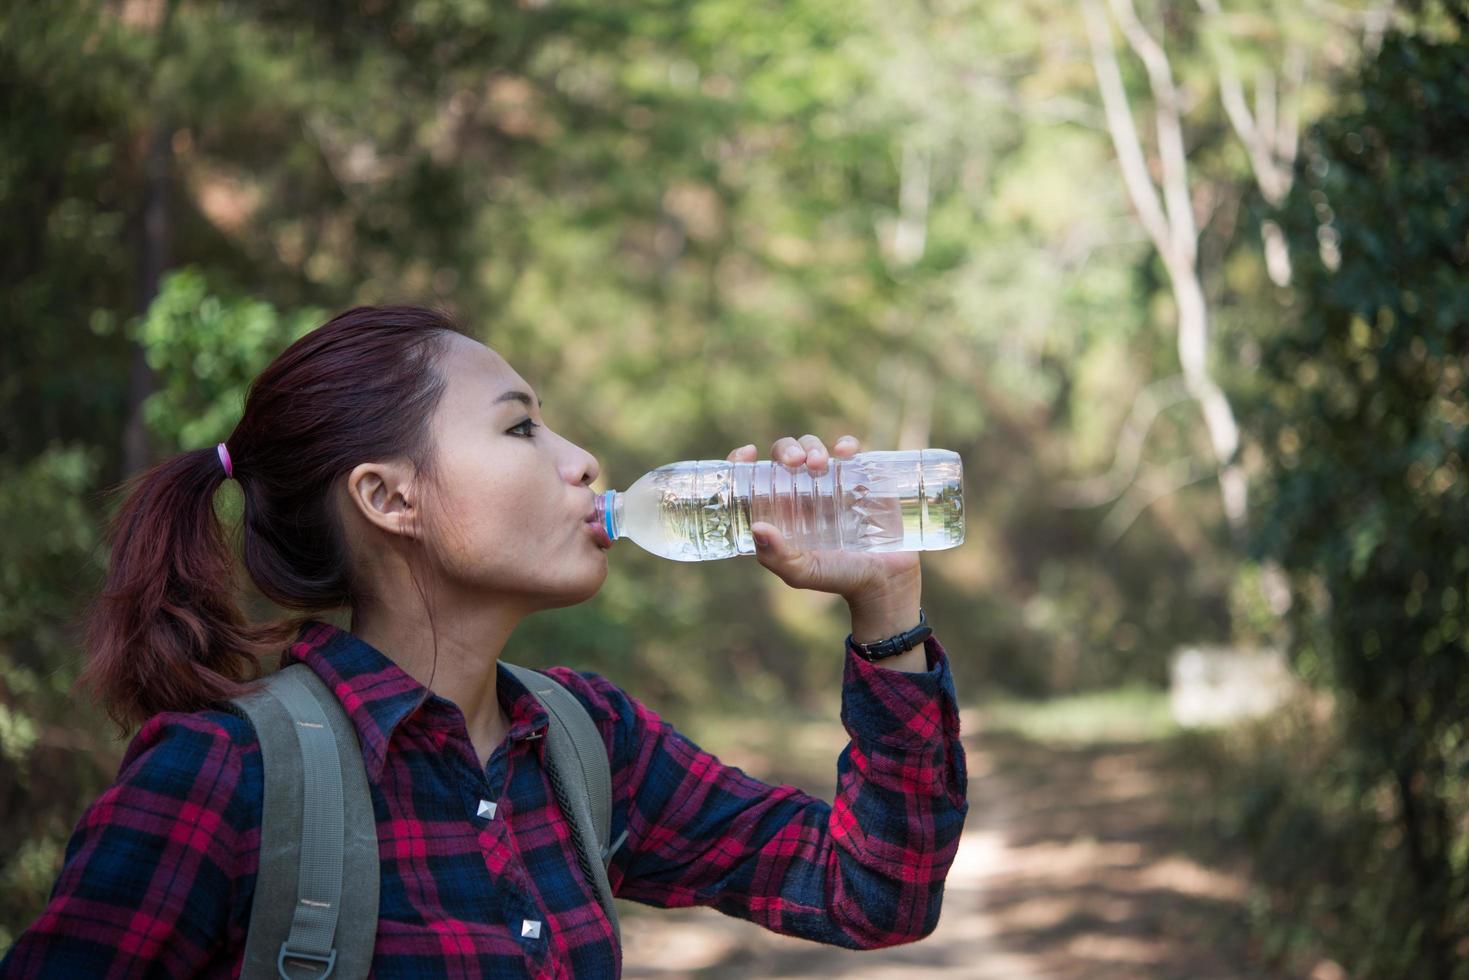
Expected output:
(1069, 868)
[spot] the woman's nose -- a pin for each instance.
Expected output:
(584, 468)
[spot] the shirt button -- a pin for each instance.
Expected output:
(530, 928)
(487, 809)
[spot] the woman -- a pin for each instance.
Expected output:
(391, 465)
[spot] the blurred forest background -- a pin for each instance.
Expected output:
(1183, 282)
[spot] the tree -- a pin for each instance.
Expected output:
(1166, 211)
(1362, 401)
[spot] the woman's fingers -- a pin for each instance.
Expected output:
(817, 455)
(788, 451)
(810, 451)
(744, 454)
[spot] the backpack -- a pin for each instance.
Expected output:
(314, 913)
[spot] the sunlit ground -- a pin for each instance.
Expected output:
(1073, 863)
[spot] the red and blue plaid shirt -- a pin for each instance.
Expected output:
(160, 873)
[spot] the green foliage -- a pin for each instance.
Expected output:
(1363, 404)
(48, 753)
(206, 349)
(49, 536)
(64, 265)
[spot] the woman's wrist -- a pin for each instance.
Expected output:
(875, 618)
(885, 607)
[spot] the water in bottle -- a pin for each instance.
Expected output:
(701, 510)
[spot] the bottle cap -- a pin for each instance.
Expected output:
(605, 506)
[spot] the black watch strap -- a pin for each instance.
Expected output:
(893, 645)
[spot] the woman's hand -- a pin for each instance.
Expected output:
(887, 581)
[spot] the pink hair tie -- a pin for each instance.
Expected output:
(225, 461)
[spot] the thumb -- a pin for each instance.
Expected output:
(775, 551)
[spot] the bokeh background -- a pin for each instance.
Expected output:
(1183, 283)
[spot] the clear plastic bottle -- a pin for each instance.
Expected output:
(701, 510)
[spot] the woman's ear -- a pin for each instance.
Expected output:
(384, 495)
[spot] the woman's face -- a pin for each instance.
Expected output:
(509, 507)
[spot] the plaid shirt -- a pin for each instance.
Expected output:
(160, 872)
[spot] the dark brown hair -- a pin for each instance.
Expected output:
(166, 633)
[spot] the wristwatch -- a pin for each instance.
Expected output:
(893, 645)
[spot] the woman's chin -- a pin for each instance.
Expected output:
(583, 588)
(594, 585)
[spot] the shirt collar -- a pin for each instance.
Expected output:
(378, 695)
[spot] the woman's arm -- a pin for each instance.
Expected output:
(147, 887)
(864, 872)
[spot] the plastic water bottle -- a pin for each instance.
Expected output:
(701, 510)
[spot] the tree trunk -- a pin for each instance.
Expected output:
(917, 420)
(1219, 420)
(1166, 213)
(154, 236)
(906, 422)
(1427, 864)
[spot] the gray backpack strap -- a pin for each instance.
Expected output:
(318, 832)
(581, 777)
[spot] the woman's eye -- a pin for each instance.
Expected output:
(523, 425)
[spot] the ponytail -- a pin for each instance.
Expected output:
(166, 633)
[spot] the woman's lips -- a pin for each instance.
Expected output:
(599, 534)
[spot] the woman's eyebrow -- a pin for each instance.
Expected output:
(518, 396)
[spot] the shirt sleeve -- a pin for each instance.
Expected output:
(863, 872)
(147, 884)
